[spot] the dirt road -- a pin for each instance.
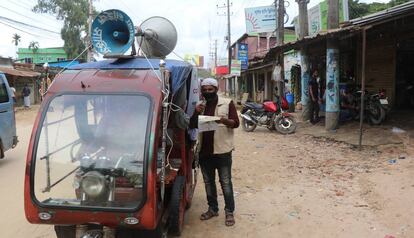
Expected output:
(285, 186)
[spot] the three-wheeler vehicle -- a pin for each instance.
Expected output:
(110, 153)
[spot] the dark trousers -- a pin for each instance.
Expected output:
(221, 163)
(314, 111)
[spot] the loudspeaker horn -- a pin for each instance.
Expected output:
(157, 37)
(113, 32)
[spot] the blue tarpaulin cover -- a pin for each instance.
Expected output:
(180, 70)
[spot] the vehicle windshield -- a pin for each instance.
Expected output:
(90, 151)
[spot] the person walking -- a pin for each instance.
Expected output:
(26, 96)
(216, 149)
(313, 87)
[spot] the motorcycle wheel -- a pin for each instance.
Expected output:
(376, 114)
(248, 126)
(285, 125)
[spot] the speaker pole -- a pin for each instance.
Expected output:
(89, 41)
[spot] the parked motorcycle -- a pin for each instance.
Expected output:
(373, 110)
(269, 114)
(382, 98)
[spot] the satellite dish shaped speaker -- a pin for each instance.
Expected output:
(112, 32)
(157, 37)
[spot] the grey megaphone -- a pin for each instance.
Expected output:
(157, 37)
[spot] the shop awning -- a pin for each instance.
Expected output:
(20, 73)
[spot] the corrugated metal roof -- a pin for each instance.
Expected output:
(21, 73)
(350, 26)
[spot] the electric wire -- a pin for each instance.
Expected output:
(32, 34)
(28, 25)
(28, 17)
(29, 3)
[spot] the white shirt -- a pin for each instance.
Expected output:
(13, 91)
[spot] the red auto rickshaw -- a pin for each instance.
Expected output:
(110, 153)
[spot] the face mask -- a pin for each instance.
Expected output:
(210, 96)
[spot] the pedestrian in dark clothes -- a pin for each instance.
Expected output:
(216, 149)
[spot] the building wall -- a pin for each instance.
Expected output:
(42, 55)
(381, 64)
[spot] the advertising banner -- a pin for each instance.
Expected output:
(260, 19)
(243, 55)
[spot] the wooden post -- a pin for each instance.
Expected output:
(254, 87)
(361, 116)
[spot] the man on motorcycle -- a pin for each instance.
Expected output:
(216, 149)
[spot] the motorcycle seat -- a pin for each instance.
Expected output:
(254, 105)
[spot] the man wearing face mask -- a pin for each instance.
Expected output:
(216, 149)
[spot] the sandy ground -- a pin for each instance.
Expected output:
(285, 186)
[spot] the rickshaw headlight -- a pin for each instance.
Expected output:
(93, 184)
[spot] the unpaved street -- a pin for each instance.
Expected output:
(285, 186)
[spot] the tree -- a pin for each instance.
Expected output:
(16, 40)
(357, 9)
(34, 46)
(74, 15)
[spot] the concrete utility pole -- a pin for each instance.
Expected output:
(332, 69)
(228, 5)
(228, 35)
(280, 36)
(215, 53)
(305, 67)
(89, 38)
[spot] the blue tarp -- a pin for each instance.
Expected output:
(180, 70)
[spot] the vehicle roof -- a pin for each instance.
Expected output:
(121, 75)
(132, 63)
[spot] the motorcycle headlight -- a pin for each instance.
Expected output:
(93, 184)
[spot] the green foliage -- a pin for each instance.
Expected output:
(74, 15)
(34, 46)
(357, 9)
(16, 39)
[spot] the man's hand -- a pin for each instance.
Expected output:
(200, 108)
(226, 121)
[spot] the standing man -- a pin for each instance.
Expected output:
(13, 94)
(26, 96)
(216, 149)
(314, 97)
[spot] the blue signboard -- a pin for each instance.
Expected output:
(243, 56)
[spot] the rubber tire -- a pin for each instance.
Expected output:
(177, 207)
(1, 150)
(65, 231)
(248, 129)
(380, 119)
(284, 131)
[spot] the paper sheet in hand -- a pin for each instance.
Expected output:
(207, 123)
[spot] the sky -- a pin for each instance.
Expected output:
(198, 22)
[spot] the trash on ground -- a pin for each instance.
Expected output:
(392, 161)
(293, 215)
(397, 130)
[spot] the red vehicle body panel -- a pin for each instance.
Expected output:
(110, 81)
(270, 106)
